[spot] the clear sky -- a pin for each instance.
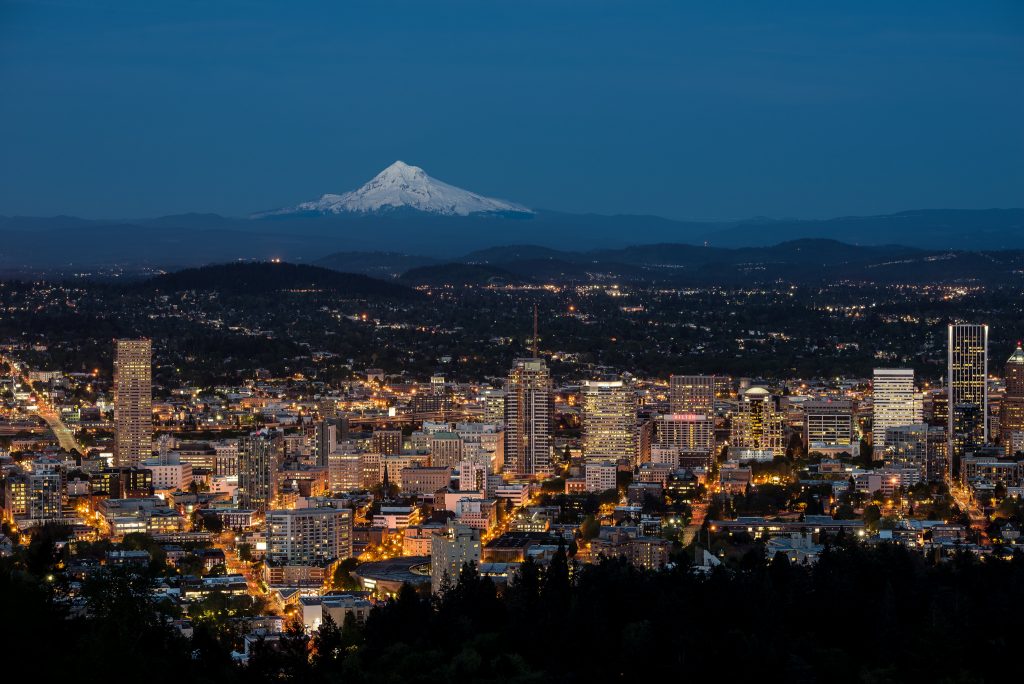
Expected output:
(684, 109)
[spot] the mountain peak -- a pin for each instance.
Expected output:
(404, 186)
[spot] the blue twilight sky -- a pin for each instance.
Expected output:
(684, 109)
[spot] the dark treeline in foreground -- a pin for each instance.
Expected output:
(859, 615)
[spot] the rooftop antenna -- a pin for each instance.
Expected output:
(535, 331)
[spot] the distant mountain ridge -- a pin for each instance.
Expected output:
(805, 261)
(69, 244)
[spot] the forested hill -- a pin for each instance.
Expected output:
(883, 614)
(268, 277)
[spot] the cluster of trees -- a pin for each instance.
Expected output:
(860, 615)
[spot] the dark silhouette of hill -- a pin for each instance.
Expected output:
(796, 261)
(267, 277)
(461, 274)
(377, 264)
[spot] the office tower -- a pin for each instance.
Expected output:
(450, 549)
(644, 440)
(1011, 418)
(894, 403)
(345, 467)
(828, 425)
(757, 427)
(968, 391)
(609, 419)
(600, 475)
(529, 406)
(225, 459)
(308, 536)
(133, 401)
(445, 449)
(687, 432)
(494, 405)
(386, 442)
(259, 458)
(327, 434)
(907, 447)
(692, 394)
(473, 475)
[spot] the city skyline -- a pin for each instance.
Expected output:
(512, 341)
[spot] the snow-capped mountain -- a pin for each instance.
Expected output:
(403, 186)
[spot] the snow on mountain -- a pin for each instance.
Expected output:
(403, 186)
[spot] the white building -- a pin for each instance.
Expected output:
(600, 475)
(308, 535)
(169, 472)
(451, 548)
(894, 403)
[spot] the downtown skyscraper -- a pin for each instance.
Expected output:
(894, 403)
(529, 409)
(968, 391)
(260, 455)
(609, 419)
(1011, 419)
(692, 394)
(133, 401)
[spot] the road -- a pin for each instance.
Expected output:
(979, 521)
(65, 437)
(699, 510)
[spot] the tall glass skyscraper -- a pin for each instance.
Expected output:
(968, 391)
(1011, 421)
(133, 402)
(609, 419)
(529, 408)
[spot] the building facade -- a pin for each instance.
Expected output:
(260, 456)
(968, 390)
(133, 401)
(609, 419)
(1011, 418)
(529, 409)
(692, 394)
(894, 403)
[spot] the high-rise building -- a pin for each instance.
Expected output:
(968, 391)
(345, 467)
(450, 549)
(692, 394)
(609, 419)
(687, 432)
(445, 449)
(828, 425)
(308, 536)
(907, 447)
(757, 427)
(133, 401)
(386, 442)
(529, 407)
(494, 405)
(894, 403)
(1011, 419)
(260, 456)
(327, 434)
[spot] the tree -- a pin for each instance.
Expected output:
(245, 552)
(327, 642)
